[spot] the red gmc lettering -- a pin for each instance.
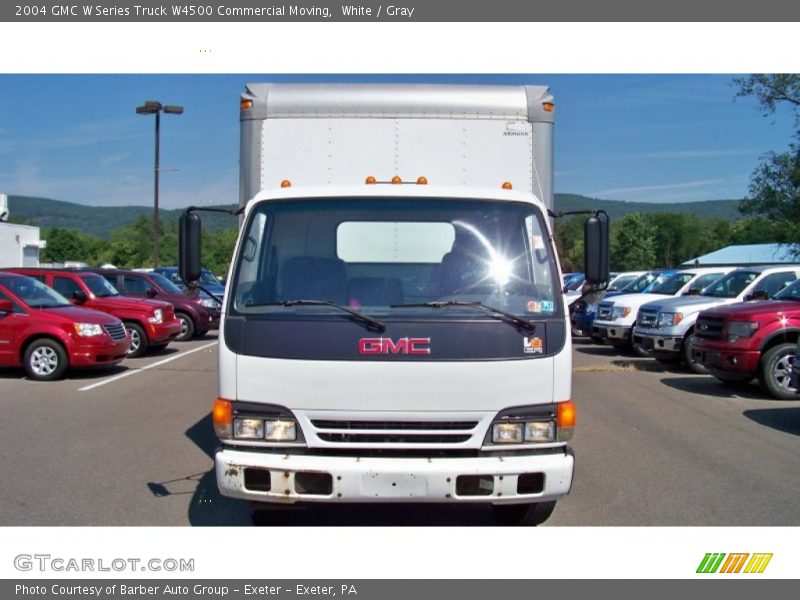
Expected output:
(387, 346)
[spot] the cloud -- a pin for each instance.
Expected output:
(657, 188)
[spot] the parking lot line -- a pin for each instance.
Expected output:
(150, 366)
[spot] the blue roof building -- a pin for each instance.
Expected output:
(749, 254)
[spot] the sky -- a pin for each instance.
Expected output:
(646, 138)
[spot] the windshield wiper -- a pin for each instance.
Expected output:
(372, 324)
(489, 310)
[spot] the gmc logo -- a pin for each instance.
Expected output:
(387, 346)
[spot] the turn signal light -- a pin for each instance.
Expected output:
(222, 417)
(565, 420)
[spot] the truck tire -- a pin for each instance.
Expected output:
(688, 356)
(139, 341)
(528, 515)
(776, 368)
(45, 360)
(187, 327)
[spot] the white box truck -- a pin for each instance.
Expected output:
(394, 328)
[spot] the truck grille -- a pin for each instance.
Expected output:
(709, 327)
(394, 432)
(604, 311)
(647, 318)
(116, 331)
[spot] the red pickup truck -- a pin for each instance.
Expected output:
(150, 323)
(43, 333)
(740, 341)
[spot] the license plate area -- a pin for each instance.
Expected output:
(393, 485)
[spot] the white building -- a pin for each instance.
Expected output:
(19, 244)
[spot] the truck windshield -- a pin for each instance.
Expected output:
(620, 282)
(34, 293)
(791, 292)
(639, 284)
(372, 255)
(99, 286)
(731, 285)
(165, 284)
(670, 285)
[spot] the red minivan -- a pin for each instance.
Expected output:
(150, 323)
(45, 334)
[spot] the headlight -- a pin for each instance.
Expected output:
(540, 431)
(669, 319)
(158, 316)
(280, 431)
(209, 302)
(507, 433)
(741, 330)
(620, 312)
(88, 329)
(248, 429)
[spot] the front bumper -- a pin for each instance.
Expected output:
(369, 479)
(159, 333)
(720, 357)
(582, 323)
(99, 353)
(658, 344)
(610, 331)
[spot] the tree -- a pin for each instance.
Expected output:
(633, 244)
(63, 245)
(569, 243)
(771, 91)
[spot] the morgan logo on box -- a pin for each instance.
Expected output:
(387, 346)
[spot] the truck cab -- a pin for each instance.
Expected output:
(394, 327)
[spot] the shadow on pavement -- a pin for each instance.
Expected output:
(782, 419)
(706, 385)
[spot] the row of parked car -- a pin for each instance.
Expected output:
(55, 319)
(736, 324)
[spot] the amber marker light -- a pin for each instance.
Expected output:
(565, 420)
(422, 181)
(222, 417)
(507, 185)
(286, 183)
(371, 180)
(396, 179)
(246, 104)
(548, 106)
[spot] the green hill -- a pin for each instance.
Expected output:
(102, 220)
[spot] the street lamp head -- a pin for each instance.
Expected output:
(146, 110)
(173, 109)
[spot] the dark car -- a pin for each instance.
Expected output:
(208, 280)
(197, 315)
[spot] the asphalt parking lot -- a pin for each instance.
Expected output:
(133, 446)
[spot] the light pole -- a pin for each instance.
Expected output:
(153, 107)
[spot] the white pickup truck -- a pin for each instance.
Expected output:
(664, 328)
(617, 316)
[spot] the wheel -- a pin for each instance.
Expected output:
(187, 327)
(528, 515)
(776, 368)
(688, 357)
(45, 360)
(139, 341)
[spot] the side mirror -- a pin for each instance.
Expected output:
(79, 296)
(151, 292)
(596, 249)
(6, 307)
(189, 259)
